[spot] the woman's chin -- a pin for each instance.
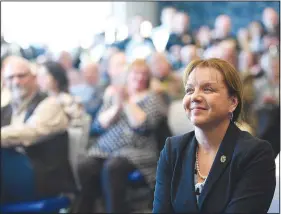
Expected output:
(198, 121)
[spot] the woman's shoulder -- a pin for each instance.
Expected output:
(249, 145)
(178, 143)
(248, 140)
(65, 98)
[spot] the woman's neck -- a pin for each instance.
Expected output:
(209, 139)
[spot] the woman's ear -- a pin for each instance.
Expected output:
(234, 103)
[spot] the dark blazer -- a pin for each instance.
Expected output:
(244, 183)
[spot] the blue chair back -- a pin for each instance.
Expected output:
(47, 205)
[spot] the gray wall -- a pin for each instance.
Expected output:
(125, 11)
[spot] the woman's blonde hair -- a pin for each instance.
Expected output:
(230, 75)
(141, 63)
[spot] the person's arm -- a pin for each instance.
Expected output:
(106, 118)
(48, 118)
(134, 113)
(255, 188)
(162, 194)
(108, 111)
(144, 118)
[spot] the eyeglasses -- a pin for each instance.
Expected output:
(19, 76)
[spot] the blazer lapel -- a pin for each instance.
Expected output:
(223, 157)
(186, 187)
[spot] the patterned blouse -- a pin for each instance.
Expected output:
(136, 144)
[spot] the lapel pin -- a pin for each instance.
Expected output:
(223, 158)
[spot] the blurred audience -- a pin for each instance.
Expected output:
(204, 37)
(222, 30)
(125, 124)
(255, 37)
(243, 39)
(228, 51)
(56, 85)
(160, 34)
(66, 61)
(180, 34)
(33, 139)
(270, 20)
(188, 53)
(137, 45)
(267, 86)
(164, 81)
(91, 80)
(126, 102)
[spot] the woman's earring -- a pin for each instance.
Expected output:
(230, 116)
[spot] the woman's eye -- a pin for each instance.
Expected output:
(208, 89)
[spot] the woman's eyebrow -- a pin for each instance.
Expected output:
(203, 84)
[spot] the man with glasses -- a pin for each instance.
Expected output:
(33, 138)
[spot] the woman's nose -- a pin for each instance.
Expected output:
(196, 96)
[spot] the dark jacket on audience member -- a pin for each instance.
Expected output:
(244, 182)
(49, 156)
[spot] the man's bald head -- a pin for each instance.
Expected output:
(270, 18)
(180, 22)
(159, 64)
(223, 25)
(189, 53)
(90, 73)
(167, 15)
(117, 68)
(19, 77)
(117, 63)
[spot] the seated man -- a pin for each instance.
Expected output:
(164, 81)
(33, 139)
(90, 92)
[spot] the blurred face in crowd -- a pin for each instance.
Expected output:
(243, 37)
(167, 16)
(180, 23)
(204, 35)
(246, 61)
(207, 101)
(255, 29)
(213, 51)
(189, 53)
(175, 52)
(65, 59)
(269, 41)
(135, 25)
(117, 68)
(19, 78)
(160, 67)
(228, 51)
(91, 74)
(49, 84)
(138, 78)
(222, 26)
(270, 18)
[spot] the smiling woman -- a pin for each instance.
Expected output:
(217, 168)
(210, 90)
